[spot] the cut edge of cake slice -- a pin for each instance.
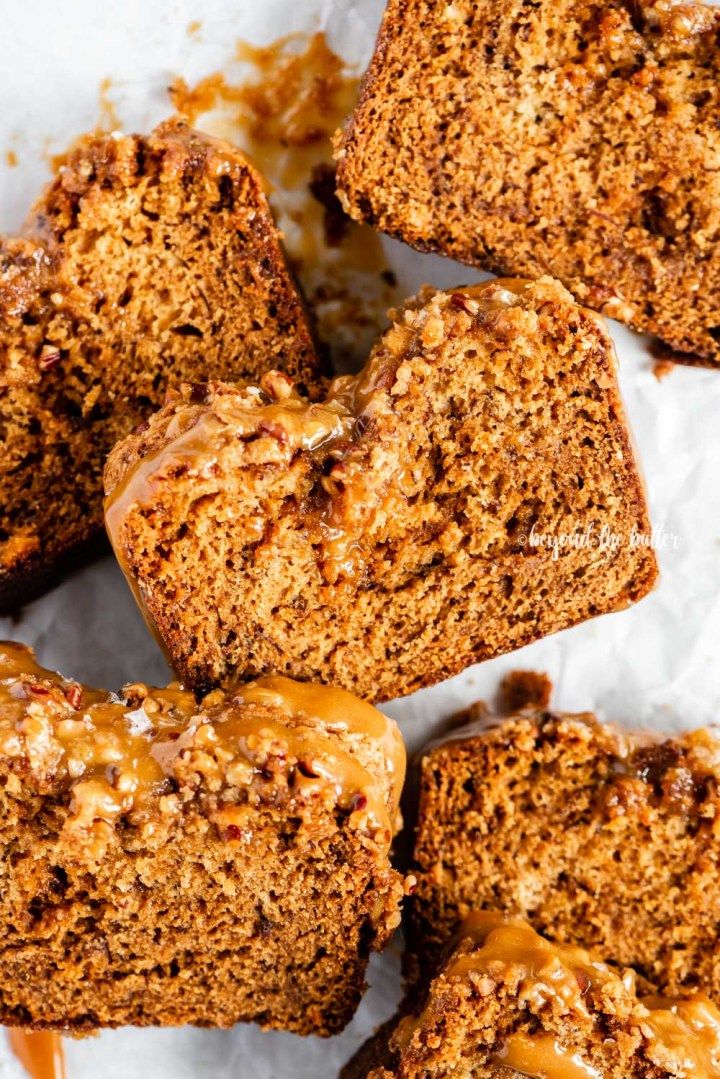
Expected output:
(165, 861)
(581, 827)
(147, 261)
(446, 505)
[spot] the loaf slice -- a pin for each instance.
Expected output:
(596, 836)
(509, 1003)
(166, 862)
(388, 537)
(572, 137)
(148, 261)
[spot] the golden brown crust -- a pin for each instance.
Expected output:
(597, 837)
(575, 139)
(383, 540)
(148, 260)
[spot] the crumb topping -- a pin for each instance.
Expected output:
(141, 755)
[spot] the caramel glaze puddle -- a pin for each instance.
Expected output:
(284, 115)
(39, 1051)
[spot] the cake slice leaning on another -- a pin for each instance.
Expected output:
(149, 260)
(598, 837)
(447, 504)
(166, 862)
(509, 1003)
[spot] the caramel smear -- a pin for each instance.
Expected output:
(11, 159)
(542, 1056)
(39, 1051)
(283, 109)
(109, 119)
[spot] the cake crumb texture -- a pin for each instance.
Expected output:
(577, 138)
(597, 837)
(146, 262)
(383, 539)
(166, 862)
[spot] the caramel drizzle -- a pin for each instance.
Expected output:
(687, 1029)
(39, 1051)
(196, 435)
(543, 1057)
(116, 756)
(355, 495)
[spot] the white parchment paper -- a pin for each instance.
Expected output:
(654, 665)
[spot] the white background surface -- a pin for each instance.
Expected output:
(654, 665)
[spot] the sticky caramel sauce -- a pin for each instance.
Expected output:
(197, 433)
(39, 1051)
(689, 1030)
(546, 970)
(337, 710)
(116, 754)
(354, 496)
(542, 1057)
(282, 107)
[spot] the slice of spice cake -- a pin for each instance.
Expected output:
(577, 138)
(149, 260)
(445, 505)
(166, 862)
(596, 836)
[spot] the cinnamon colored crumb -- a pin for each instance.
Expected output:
(582, 829)
(149, 833)
(283, 109)
(488, 130)
(91, 360)
(380, 540)
(524, 689)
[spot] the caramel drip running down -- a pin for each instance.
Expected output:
(542, 1057)
(116, 755)
(39, 1051)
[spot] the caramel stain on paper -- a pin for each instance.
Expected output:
(11, 159)
(283, 109)
(194, 28)
(109, 119)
